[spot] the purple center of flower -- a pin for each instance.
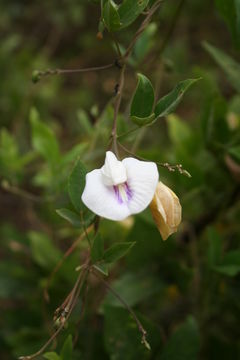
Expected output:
(123, 193)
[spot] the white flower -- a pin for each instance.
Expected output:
(120, 188)
(166, 210)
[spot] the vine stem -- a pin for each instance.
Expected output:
(166, 165)
(61, 261)
(73, 297)
(130, 310)
(37, 75)
(24, 194)
(121, 79)
(142, 27)
(116, 109)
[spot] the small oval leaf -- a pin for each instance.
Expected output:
(143, 121)
(116, 251)
(129, 10)
(143, 99)
(70, 216)
(169, 102)
(110, 16)
(76, 184)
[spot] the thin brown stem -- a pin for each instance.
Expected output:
(116, 109)
(24, 194)
(72, 302)
(130, 310)
(170, 167)
(121, 80)
(142, 28)
(37, 75)
(65, 256)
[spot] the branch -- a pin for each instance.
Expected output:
(171, 168)
(37, 75)
(65, 256)
(130, 310)
(66, 312)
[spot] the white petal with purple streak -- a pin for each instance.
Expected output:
(120, 188)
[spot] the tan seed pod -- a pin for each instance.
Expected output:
(166, 210)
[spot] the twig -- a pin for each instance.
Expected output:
(142, 28)
(72, 302)
(166, 165)
(37, 75)
(24, 194)
(121, 80)
(130, 310)
(116, 109)
(59, 264)
(128, 132)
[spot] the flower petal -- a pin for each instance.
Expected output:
(142, 179)
(101, 199)
(113, 170)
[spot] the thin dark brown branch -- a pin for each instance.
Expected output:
(170, 167)
(65, 256)
(130, 310)
(71, 304)
(142, 28)
(37, 75)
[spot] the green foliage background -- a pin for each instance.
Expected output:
(185, 290)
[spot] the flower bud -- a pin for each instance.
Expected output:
(166, 210)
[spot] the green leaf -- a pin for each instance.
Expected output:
(129, 10)
(179, 131)
(76, 184)
(44, 140)
(230, 265)
(143, 121)
(134, 288)
(44, 252)
(51, 356)
(66, 352)
(235, 153)
(97, 250)
(143, 100)
(214, 124)
(184, 344)
(228, 64)
(70, 216)
(102, 268)
(229, 10)
(145, 42)
(85, 122)
(110, 16)
(116, 251)
(74, 153)
(215, 247)
(169, 102)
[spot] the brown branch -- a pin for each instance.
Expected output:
(130, 310)
(121, 79)
(37, 75)
(116, 109)
(24, 194)
(171, 168)
(142, 28)
(67, 312)
(65, 256)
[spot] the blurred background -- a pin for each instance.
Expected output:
(186, 290)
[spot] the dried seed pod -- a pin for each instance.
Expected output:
(166, 210)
